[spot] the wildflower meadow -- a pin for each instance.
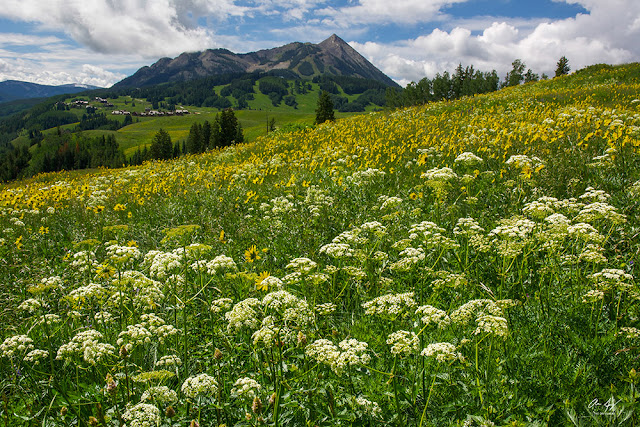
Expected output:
(463, 263)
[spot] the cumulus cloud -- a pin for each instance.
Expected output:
(151, 28)
(385, 11)
(608, 34)
(50, 74)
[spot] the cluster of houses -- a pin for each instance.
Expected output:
(150, 113)
(79, 103)
(104, 101)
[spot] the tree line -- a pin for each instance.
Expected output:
(465, 81)
(223, 131)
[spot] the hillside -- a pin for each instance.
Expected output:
(11, 90)
(333, 57)
(468, 262)
(58, 132)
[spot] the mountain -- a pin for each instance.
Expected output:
(330, 57)
(12, 90)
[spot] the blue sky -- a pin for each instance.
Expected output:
(100, 42)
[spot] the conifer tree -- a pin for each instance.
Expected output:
(562, 67)
(324, 109)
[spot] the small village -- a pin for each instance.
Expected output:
(148, 112)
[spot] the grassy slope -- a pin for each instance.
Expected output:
(253, 120)
(560, 354)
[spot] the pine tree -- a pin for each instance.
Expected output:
(562, 67)
(161, 146)
(324, 110)
(516, 75)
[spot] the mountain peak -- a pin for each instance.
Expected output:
(332, 56)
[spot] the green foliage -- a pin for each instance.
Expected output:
(324, 110)
(161, 146)
(562, 67)
(516, 75)
(472, 262)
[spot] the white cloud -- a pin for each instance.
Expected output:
(149, 28)
(608, 33)
(385, 11)
(18, 69)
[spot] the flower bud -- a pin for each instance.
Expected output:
(256, 407)
(217, 354)
(170, 412)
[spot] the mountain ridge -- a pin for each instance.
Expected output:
(332, 56)
(12, 90)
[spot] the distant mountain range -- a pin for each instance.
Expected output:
(12, 90)
(330, 57)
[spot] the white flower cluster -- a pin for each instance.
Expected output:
(353, 352)
(16, 344)
(243, 314)
(31, 305)
(353, 237)
(337, 250)
(84, 261)
(471, 309)
(612, 277)
(160, 394)
(272, 282)
(439, 174)
(245, 389)
(599, 210)
(374, 228)
(157, 326)
(403, 342)
(368, 407)
(409, 257)
(391, 305)
(443, 352)
(629, 332)
(221, 263)
(429, 314)
(468, 159)
(445, 279)
(593, 195)
(280, 205)
(302, 265)
(162, 264)
(86, 344)
(49, 319)
(34, 356)
(522, 161)
(220, 305)
(538, 209)
(199, 385)
(133, 336)
(91, 291)
(103, 317)
(467, 227)
(122, 254)
(142, 415)
(363, 177)
(585, 232)
(389, 203)
(513, 228)
(326, 308)
(316, 199)
(493, 325)
(169, 361)
(593, 253)
(594, 295)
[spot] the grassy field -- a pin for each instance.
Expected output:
(253, 120)
(463, 263)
